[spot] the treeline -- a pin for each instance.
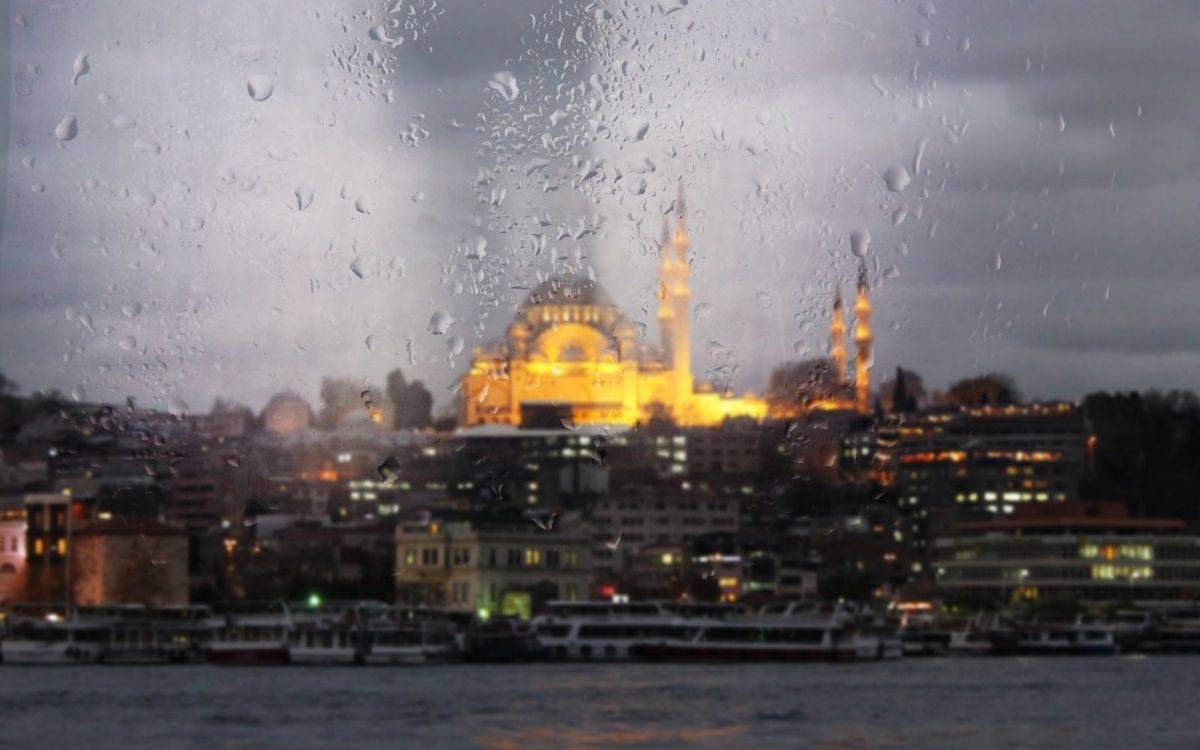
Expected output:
(1147, 452)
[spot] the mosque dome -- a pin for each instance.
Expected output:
(569, 290)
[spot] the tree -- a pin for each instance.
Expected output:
(794, 387)
(1145, 452)
(339, 396)
(991, 389)
(413, 402)
(420, 405)
(903, 392)
(10, 407)
(222, 406)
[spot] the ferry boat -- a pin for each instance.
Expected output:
(323, 642)
(981, 635)
(412, 635)
(862, 620)
(53, 640)
(765, 641)
(609, 640)
(251, 639)
(925, 642)
(501, 641)
(659, 632)
(1133, 629)
(922, 629)
(392, 644)
(1066, 640)
(1173, 630)
(125, 634)
(969, 641)
(140, 635)
(333, 634)
(607, 631)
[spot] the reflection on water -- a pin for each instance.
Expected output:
(615, 737)
(953, 703)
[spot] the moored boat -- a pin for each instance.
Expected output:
(1066, 640)
(501, 641)
(252, 639)
(1173, 630)
(323, 642)
(921, 642)
(53, 641)
(969, 641)
(765, 641)
(614, 639)
(609, 631)
(408, 645)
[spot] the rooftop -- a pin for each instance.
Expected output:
(1064, 515)
(129, 527)
(568, 290)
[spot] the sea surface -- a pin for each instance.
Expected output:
(1121, 702)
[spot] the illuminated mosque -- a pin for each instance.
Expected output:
(571, 354)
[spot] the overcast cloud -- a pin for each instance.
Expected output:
(162, 252)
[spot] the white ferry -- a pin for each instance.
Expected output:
(790, 631)
(1067, 640)
(860, 620)
(126, 634)
(52, 640)
(609, 640)
(408, 643)
(256, 638)
(140, 635)
(969, 641)
(323, 642)
(330, 633)
(765, 641)
(664, 632)
(607, 631)
(333, 634)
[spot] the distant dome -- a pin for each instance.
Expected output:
(569, 290)
(287, 414)
(286, 397)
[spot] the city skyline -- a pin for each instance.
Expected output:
(239, 248)
(468, 349)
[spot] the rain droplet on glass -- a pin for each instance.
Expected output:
(260, 87)
(66, 129)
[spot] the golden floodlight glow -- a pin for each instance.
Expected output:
(571, 350)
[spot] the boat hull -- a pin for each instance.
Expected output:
(316, 657)
(664, 652)
(46, 654)
(403, 656)
(1067, 650)
(265, 655)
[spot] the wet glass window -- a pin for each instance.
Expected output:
(324, 320)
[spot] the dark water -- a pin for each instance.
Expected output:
(1127, 703)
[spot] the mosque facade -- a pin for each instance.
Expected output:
(570, 353)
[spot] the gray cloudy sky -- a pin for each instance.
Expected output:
(162, 252)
